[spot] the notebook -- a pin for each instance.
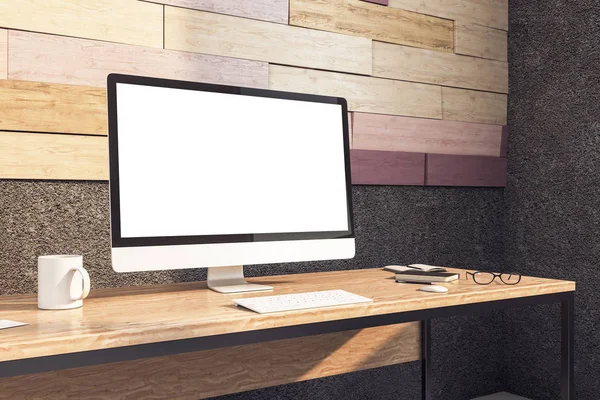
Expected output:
(414, 267)
(5, 324)
(425, 276)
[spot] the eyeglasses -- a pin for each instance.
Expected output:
(485, 278)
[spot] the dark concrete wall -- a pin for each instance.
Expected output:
(445, 226)
(553, 194)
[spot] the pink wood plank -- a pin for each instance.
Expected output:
(387, 168)
(395, 133)
(451, 170)
(265, 10)
(504, 145)
(350, 127)
(60, 59)
(382, 2)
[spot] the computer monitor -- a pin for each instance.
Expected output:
(215, 176)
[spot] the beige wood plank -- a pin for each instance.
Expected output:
(128, 316)
(481, 41)
(265, 10)
(492, 13)
(428, 66)
(359, 18)
(53, 156)
(228, 370)
(365, 94)
(133, 22)
(416, 135)
(198, 31)
(3, 53)
(58, 59)
(473, 106)
(43, 107)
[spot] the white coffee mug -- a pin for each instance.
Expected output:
(63, 283)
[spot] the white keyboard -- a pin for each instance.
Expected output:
(300, 301)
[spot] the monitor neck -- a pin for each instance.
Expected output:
(231, 280)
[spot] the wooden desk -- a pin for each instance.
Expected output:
(133, 323)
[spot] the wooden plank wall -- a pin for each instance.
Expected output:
(421, 78)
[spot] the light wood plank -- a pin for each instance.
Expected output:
(393, 133)
(387, 168)
(265, 10)
(133, 22)
(198, 31)
(3, 53)
(51, 156)
(229, 370)
(452, 170)
(49, 58)
(473, 106)
(428, 66)
(356, 17)
(365, 94)
(481, 41)
(492, 13)
(117, 317)
(43, 107)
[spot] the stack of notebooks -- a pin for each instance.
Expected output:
(421, 273)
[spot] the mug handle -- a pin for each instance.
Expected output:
(85, 277)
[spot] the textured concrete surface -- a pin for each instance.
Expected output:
(445, 226)
(553, 194)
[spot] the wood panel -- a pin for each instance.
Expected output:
(350, 127)
(365, 94)
(53, 156)
(133, 22)
(428, 66)
(265, 10)
(393, 133)
(229, 370)
(43, 107)
(473, 106)
(481, 41)
(198, 31)
(150, 314)
(451, 170)
(3, 53)
(492, 13)
(49, 58)
(356, 17)
(504, 145)
(387, 168)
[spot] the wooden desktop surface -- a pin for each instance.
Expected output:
(148, 314)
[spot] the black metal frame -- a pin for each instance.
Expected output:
(127, 353)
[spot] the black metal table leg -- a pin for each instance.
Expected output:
(567, 316)
(426, 360)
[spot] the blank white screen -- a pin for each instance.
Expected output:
(201, 163)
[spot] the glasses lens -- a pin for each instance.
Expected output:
(511, 279)
(483, 278)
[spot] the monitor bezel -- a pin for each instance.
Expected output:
(115, 211)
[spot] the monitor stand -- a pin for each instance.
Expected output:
(231, 280)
